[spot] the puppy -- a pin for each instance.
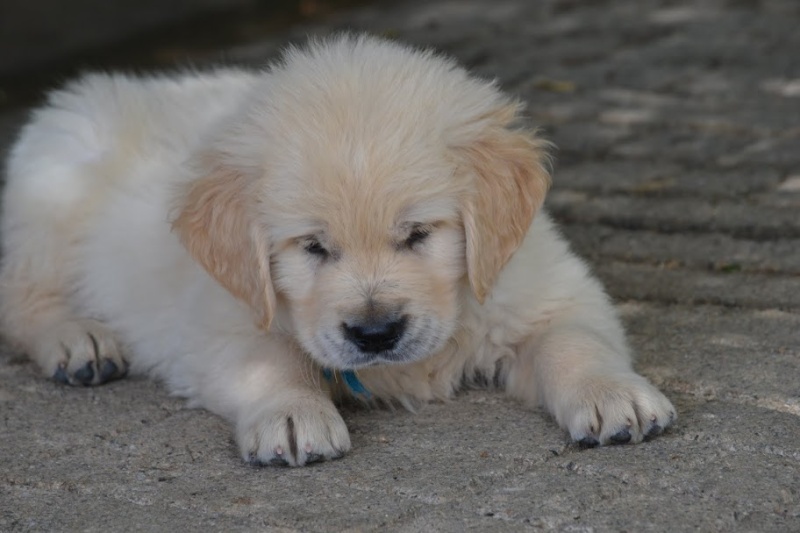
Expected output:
(360, 211)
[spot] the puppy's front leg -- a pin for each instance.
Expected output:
(273, 393)
(584, 378)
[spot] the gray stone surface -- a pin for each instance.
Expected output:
(677, 177)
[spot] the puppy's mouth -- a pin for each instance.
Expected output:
(395, 341)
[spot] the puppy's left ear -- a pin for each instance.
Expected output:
(215, 223)
(510, 182)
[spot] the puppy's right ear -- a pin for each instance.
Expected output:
(215, 223)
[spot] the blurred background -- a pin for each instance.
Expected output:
(44, 41)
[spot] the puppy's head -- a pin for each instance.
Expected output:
(361, 190)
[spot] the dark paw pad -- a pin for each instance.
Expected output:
(653, 430)
(621, 437)
(253, 460)
(337, 454)
(108, 370)
(61, 375)
(314, 458)
(588, 442)
(85, 374)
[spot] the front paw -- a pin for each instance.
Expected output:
(614, 408)
(79, 352)
(292, 433)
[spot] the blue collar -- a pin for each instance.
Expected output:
(351, 380)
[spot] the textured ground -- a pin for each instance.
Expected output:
(677, 177)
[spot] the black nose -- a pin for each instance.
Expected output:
(375, 336)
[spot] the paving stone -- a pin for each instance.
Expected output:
(712, 252)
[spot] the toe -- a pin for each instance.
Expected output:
(653, 430)
(85, 374)
(253, 460)
(108, 370)
(277, 461)
(61, 376)
(314, 458)
(622, 436)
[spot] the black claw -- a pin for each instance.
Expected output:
(588, 442)
(85, 374)
(61, 375)
(108, 370)
(313, 458)
(621, 437)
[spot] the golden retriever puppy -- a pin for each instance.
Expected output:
(360, 219)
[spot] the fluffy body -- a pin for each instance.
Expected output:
(222, 230)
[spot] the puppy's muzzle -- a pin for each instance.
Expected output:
(375, 335)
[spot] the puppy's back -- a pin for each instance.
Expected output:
(101, 115)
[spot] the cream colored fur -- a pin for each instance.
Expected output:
(218, 231)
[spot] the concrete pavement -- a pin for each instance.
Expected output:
(677, 176)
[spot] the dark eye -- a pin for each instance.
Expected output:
(313, 247)
(417, 235)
